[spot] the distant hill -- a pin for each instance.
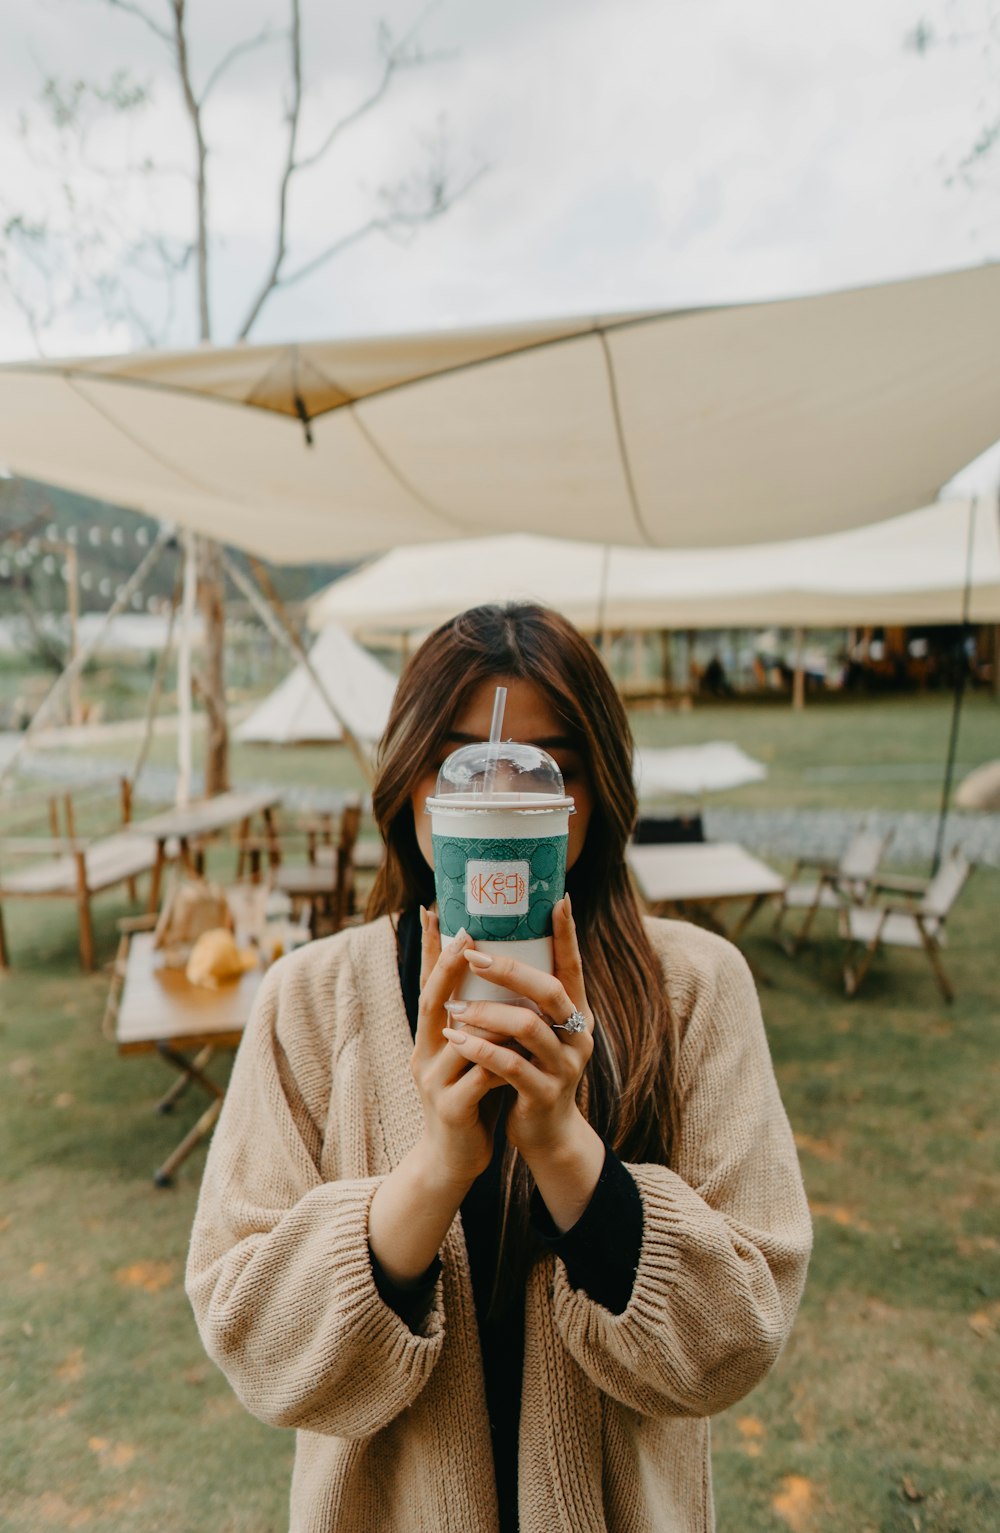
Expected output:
(110, 544)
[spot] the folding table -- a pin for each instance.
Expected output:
(189, 825)
(701, 880)
(156, 1009)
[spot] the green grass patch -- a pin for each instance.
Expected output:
(854, 754)
(113, 1418)
(883, 1414)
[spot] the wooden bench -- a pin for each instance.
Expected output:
(64, 865)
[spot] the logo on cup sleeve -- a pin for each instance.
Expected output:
(497, 888)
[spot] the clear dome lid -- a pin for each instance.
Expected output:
(505, 774)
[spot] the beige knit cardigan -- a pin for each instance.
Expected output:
(393, 1435)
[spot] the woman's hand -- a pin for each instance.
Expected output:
(544, 1066)
(414, 1205)
(459, 1115)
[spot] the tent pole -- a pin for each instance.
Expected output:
(81, 657)
(285, 634)
(184, 752)
(73, 607)
(152, 706)
(799, 679)
(956, 711)
(602, 602)
(666, 662)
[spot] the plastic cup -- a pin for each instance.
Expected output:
(500, 828)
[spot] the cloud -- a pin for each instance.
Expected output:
(641, 155)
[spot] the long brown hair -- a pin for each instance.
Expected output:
(632, 1081)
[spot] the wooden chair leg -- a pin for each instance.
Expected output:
(934, 955)
(156, 878)
(4, 956)
(86, 934)
(83, 911)
(852, 976)
(795, 940)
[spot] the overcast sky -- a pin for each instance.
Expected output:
(634, 153)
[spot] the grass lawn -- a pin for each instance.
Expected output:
(839, 753)
(883, 1413)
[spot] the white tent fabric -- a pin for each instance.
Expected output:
(704, 428)
(694, 769)
(910, 569)
(297, 713)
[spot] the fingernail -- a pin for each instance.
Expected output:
(569, 904)
(478, 960)
(455, 1008)
(453, 1036)
(423, 919)
(459, 940)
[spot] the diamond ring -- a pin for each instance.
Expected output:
(576, 1022)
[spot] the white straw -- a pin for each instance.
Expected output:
(499, 704)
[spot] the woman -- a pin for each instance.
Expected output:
(632, 1233)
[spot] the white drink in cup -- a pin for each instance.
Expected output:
(500, 827)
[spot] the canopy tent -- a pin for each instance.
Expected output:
(696, 428)
(296, 711)
(910, 569)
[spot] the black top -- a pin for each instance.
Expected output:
(600, 1253)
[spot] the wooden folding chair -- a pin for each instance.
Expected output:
(913, 922)
(832, 885)
(326, 883)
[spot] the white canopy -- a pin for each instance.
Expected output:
(297, 713)
(711, 427)
(910, 569)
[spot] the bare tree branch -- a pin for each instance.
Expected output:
(201, 183)
(136, 10)
(294, 109)
(352, 117)
(248, 46)
(396, 56)
(388, 224)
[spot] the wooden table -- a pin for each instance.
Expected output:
(697, 880)
(158, 1009)
(206, 818)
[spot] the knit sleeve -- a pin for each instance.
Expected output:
(278, 1272)
(726, 1236)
